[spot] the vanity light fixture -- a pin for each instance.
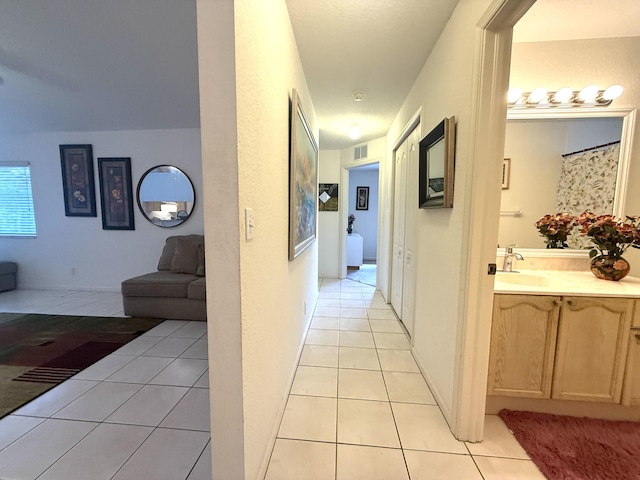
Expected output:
(354, 131)
(565, 97)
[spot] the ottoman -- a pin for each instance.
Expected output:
(8, 271)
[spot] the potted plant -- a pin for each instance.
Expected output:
(611, 237)
(350, 220)
(555, 229)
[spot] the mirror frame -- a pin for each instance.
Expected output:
(144, 175)
(628, 116)
(445, 132)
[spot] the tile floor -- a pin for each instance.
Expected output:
(358, 408)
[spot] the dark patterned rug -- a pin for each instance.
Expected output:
(38, 352)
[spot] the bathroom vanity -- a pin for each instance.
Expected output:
(564, 336)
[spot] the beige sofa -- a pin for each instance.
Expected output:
(177, 290)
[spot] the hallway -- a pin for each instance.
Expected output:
(360, 409)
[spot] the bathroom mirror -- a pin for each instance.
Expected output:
(166, 196)
(556, 165)
(436, 158)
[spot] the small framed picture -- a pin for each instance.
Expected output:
(116, 193)
(362, 198)
(506, 173)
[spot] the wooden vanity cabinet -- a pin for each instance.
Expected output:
(631, 387)
(569, 348)
(523, 341)
(591, 352)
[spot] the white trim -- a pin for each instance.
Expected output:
(413, 122)
(482, 212)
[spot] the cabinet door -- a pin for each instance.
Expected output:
(592, 347)
(523, 340)
(631, 388)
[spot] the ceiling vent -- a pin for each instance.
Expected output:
(360, 152)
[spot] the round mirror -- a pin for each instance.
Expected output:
(166, 196)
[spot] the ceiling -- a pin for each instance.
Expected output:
(90, 65)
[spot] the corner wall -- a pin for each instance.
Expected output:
(75, 252)
(249, 64)
(443, 88)
(329, 222)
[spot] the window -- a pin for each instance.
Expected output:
(16, 200)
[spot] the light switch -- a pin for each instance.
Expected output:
(248, 223)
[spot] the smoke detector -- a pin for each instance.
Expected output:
(358, 96)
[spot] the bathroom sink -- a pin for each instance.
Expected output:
(527, 279)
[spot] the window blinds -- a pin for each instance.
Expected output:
(16, 200)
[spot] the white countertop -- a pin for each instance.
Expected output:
(553, 282)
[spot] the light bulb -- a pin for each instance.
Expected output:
(614, 91)
(563, 95)
(588, 94)
(514, 95)
(354, 132)
(537, 95)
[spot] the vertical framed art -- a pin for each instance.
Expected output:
(116, 193)
(362, 198)
(303, 181)
(78, 183)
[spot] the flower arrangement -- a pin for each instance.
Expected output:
(610, 235)
(350, 220)
(555, 229)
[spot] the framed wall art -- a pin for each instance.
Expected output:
(328, 196)
(116, 193)
(506, 173)
(303, 181)
(436, 160)
(78, 183)
(362, 198)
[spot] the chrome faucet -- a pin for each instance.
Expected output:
(509, 255)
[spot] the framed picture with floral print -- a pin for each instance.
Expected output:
(116, 193)
(77, 180)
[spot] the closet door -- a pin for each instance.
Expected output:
(410, 233)
(399, 208)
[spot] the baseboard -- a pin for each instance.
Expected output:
(264, 464)
(58, 287)
(446, 412)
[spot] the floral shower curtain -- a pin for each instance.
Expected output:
(588, 182)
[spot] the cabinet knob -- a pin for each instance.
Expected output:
(637, 335)
(570, 303)
(557, 303)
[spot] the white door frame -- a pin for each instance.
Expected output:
(489, 104)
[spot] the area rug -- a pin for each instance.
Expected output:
(575, 448)
(38, 352)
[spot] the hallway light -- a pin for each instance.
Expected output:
(565, 97)
(354, 131)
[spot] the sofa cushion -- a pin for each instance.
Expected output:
(166, 258)
(197, 290)
(8, 267)
(185, 257)
(200, 269)
(158, 284)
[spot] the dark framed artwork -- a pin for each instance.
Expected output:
(436, 166)
(328, 196)
(362, 198)
(506, 173)
(116, 193)
(303, 181)
(78, 183)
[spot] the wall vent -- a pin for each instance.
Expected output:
(360, 152)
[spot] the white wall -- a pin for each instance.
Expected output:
(535, 148)
(578, 63)
(248, 62)
(366, 223)
(75, 252)
(442, 89)
(329, 222)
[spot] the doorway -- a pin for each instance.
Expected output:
(362, 242)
